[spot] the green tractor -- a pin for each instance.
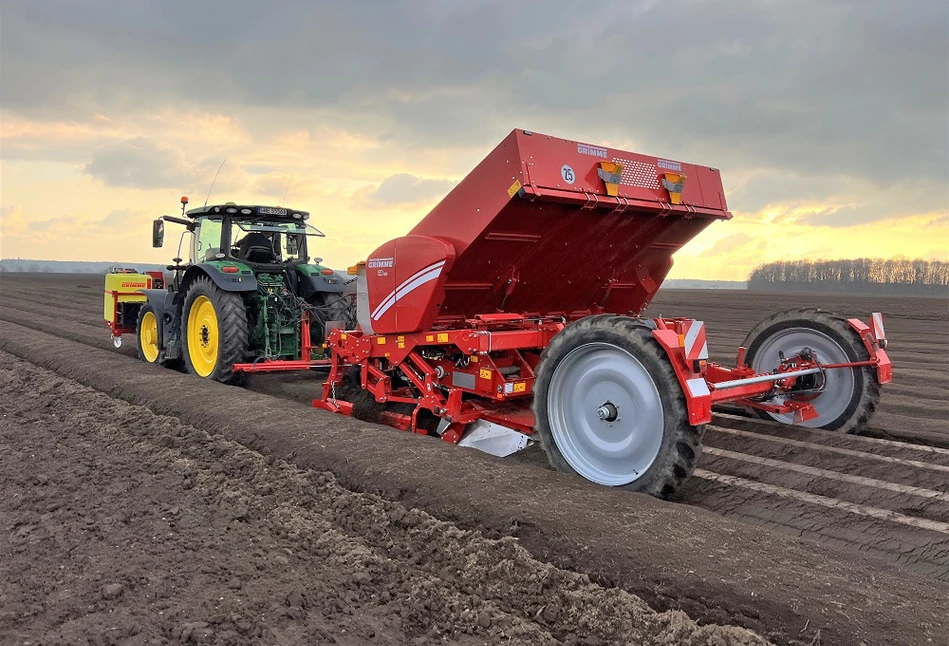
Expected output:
(248, 293)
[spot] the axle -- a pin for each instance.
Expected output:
(735, 383)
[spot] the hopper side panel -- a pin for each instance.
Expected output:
(560, 259)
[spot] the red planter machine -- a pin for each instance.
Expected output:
(549, 238)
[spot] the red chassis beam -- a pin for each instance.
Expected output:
(289, 365)
(443, 366)
(497, 365)
(281, 365)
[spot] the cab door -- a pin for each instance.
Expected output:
(206, 244)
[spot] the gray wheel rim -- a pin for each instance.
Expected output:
(838, 384)
(590, 379)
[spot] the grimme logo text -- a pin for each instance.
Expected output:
(583, 149)
(375, 263)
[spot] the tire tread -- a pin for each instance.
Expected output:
(233, 329)
(676, 462)
(850, 342)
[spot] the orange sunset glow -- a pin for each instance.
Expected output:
(829, 145)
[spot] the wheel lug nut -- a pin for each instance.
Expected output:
(607, 412)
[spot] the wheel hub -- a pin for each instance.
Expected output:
(607, 412)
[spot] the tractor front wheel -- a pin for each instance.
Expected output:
(215, 332)
(608, 406)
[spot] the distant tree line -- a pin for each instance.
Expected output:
(862, 275)
(31, 266)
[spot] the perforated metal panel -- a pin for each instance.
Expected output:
(638, 174)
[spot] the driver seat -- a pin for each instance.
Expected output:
(257, 248)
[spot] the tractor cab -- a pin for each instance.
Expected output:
(263, 237)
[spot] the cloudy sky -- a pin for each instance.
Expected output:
(828, 118)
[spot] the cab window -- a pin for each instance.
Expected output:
(208, 239)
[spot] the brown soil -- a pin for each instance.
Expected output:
(674, 556)
(125, 527)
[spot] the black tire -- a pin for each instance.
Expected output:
(232, 330)
(330, 307)
(681, 443)
(162, 360)
(866, 389)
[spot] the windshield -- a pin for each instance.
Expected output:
(271, 242)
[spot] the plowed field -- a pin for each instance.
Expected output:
(145, 506)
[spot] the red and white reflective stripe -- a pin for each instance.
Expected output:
(878, 331)
(411, 283)
(696, 346)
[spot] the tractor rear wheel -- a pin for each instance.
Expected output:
(608, 406)
(847, 396)
(214, 331)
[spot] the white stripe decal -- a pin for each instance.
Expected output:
(704, 353)
(418, 282)
(691, 335)
(406, 288)
(392, 297)
(387, 301)
(878, 319)
(392, 294)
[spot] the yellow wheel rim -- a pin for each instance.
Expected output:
(203, 336)
(148, 337)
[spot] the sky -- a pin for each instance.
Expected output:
(829, 119)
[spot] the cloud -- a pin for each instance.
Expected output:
(817, 86)
(12, 221)
(124, 219)
(728, 244)
(140, 163)
(405, 188)
(940, 222)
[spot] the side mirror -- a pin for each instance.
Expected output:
(293, 245)
(158, 233)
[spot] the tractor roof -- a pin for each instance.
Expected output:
(250, 210)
